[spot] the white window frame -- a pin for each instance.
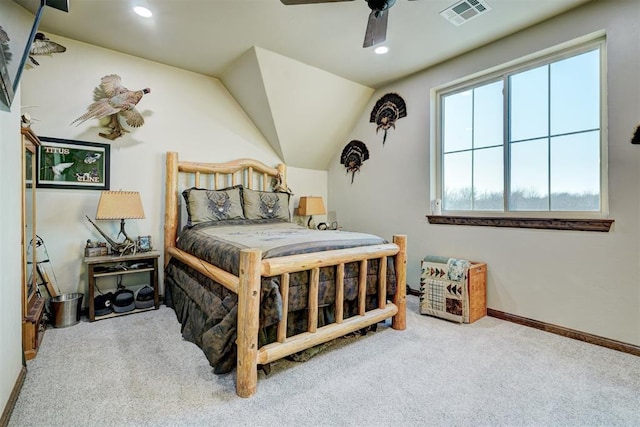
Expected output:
(565, 50)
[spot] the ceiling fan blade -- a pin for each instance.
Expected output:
(292, 2)
(376, 28)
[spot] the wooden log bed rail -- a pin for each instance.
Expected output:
(255, 175)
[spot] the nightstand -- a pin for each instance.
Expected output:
(115, 265)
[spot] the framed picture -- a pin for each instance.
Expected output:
(64, 163)
(144, 243)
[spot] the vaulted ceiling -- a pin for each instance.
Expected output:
(300, 71)
(304, 112)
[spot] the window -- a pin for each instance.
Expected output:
(525, 139)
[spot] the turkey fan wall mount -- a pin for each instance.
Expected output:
(353, 156)
(376, 31)
(387, 111)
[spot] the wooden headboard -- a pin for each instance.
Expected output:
(181, 174)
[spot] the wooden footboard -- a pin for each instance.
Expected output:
(252, 268)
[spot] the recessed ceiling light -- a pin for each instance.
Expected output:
(142, 11)
(381, 50)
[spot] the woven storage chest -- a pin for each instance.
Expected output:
(461, 296)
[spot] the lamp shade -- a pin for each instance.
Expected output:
(120, 205)
(310, 205)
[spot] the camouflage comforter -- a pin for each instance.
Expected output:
(207, 311)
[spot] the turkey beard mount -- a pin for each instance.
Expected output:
(376, 31)
(114, 101)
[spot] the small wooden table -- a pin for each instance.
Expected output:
(115, 265)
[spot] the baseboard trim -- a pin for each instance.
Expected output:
(566, 332)
(13, 398)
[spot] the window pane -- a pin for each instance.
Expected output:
(545, 119)
(575, 172)
(457, 181)
(488, 179)
(457, 122)
(575, 93)
(529, 104)
(488, 115)
(529, 176)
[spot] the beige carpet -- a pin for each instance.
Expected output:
(137, 371)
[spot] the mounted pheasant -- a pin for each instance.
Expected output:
(114, 100)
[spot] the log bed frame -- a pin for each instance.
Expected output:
(256, 175)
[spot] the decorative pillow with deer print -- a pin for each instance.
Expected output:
(265, 205)
(213, 205)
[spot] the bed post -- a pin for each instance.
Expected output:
(171, 204)
(399, 321)
(248, 322)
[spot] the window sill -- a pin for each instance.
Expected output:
(603, 225)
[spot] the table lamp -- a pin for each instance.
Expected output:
(310, 205)
(120, 205)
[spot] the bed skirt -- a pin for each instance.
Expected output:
(208, 312)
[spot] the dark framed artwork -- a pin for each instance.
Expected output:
(65, 163)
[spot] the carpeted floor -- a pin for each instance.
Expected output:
(137, 370)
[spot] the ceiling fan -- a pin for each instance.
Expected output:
(376, 32)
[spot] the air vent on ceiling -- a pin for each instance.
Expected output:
(464, 10)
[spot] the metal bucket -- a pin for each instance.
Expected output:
(66, 309)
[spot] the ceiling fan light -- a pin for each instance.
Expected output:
(381, 50)
(143, 11)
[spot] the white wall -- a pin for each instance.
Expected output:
(586, 281)
(185, 112)
(292, 102)
(308, 182)
(10, 260)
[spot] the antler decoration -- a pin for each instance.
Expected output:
(127, 245)
(387, 111)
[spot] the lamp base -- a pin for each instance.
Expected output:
(127, 246)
